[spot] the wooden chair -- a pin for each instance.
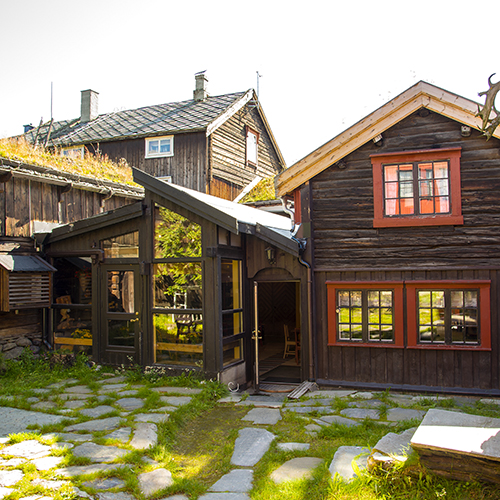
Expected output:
(289, 342)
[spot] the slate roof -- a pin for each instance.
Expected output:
(170, 118)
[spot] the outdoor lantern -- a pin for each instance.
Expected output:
(271, 255)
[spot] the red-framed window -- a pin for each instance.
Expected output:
(365, 313)
(448, 314)
(417, 188)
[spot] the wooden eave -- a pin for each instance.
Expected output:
(421, 95)
(234, 108)
(95, 222)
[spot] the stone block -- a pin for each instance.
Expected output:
(297, 468)
(342, 463)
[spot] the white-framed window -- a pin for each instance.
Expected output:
(252, 146)
(73, 152)
(160, 146)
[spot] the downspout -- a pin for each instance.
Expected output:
(302, 246)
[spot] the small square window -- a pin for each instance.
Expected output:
(74, 152)
(160, 146)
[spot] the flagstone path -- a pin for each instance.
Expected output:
(114, 416)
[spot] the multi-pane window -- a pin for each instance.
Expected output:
(417, 188)
(365, 315)
(448, 316)
(160, 146)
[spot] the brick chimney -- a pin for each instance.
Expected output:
(200, 92)
(89, 110)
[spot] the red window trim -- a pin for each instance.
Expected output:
(451, 154)
(397, 286)
(484, 312)
(297, 206)
(253, 131)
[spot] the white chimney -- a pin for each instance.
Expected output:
(200, 92)
(90, 105)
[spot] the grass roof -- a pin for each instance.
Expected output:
(100, 167)
(263, 191)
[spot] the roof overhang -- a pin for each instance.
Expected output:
(421, 95)
(213, 209)
(25, 263)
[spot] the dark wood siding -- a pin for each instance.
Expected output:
(348, 248)
(186, 166)
(228, 150)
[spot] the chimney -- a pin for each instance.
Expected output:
(200, 92)
(89, 109)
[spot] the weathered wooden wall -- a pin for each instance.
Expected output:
(348, 248)
(228, 150)
(186, 167)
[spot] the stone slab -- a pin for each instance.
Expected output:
(293, 446)
(122, 434)
(115, 380)
(111, 388)
(232, 398)
(44, 405)
(263, 416)
(336, 419)
(155, 418)
(5, 491)
(176, 400)
(130, 403)
(97, 411)
(121, 495)
(145, 436)
(368, 403)
(47, 463)
(80, 470)
(98, 453)
(297, 468)
(341, 465)
(78, 389)
(250, 446)
(238, 480)
(105, 484)
(68, 436)
(363, 395)
(73, 404)
(224, 496)
(309, 409)
(27, 449)
(332, 393)
(10, 477)
(177, 390)
(104, 424)
(150, 482)
(396, 445)
(13, 462)
(398, 414)
(13, 420)
(360, 413)
(459, 432)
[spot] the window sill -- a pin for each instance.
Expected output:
(450, 347)
(437, 220)
(379, 345)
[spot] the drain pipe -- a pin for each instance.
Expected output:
(302, 246)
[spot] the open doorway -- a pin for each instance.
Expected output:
(279, 325)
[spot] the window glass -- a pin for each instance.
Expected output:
(121, 291)
(365, 315)
(232, 352)
(175, 236)
(125, 246)
(178, 285)
(159, 146)
(252, 140)
(231, 291)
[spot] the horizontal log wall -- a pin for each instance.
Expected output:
(348, 248)
(186, 167)
(228, 150)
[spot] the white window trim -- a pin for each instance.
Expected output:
(252, 150)
(74, 152)
(149, 154)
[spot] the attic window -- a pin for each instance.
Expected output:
(160, 146)
(25, 282)
(252, 141)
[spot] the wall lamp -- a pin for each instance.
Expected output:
(271, 255)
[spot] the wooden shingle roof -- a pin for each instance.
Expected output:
(170, 118)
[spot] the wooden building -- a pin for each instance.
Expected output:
(33, 200)
(401, 214)
(215, 145)
(176, 281)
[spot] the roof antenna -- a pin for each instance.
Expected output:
(259, 76)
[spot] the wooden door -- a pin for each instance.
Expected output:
(120, 314)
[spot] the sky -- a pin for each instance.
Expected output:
(324, 64)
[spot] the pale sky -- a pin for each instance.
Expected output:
(324, 64)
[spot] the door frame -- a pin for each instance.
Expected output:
(118, 354)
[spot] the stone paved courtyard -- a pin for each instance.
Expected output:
(113, 410)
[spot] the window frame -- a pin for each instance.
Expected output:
(250, 131)
(398, 306)
(484, 313)
(148, 154)
(453, 218)
(73, 152)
